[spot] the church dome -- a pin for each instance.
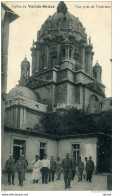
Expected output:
(21, 91)
(62, 21)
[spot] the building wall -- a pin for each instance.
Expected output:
(46, 93)
(70, 94)
(88, 148)
(32, 118)
(62, 93)
(32, 146)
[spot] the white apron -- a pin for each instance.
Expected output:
(36, 175)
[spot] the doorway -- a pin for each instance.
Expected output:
(42, 150)
(18, 148)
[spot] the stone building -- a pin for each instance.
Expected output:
(63, 76)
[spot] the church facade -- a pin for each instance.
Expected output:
(63, 76)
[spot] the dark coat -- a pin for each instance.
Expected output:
(21, 165)
(90, 165)
(10, 165)
(80, 166)
(67, 164)
(52, 165)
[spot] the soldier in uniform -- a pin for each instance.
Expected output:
(58, 168)
(21, 167)
(10, 168)
(52, 169)
(89, 169)
(80, 167)
(67, 167)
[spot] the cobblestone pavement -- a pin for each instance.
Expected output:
(99, 183)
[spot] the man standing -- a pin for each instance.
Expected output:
(89, 169)
(10, 168)
(80, 166)
(74, 167)
(21, 167)
(26, 164)
(85, 172)
(58, 168)
(52, 169)
(45, 166)
(67, 167)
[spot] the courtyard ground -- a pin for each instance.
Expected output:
(99, 183)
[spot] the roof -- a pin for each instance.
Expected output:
(22, 92)
(56, 137)
(64, 22)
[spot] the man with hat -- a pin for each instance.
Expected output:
(10, 168)
(89, 169)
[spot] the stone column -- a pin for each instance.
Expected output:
(89, 63)
(83, 58)
(5, 42)
(47, 56)
(21, 118)
(58, 54)
(33, 60)
(37, 59)
(66, 53)
(46, 63)
(24, 121)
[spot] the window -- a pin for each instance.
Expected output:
(63, 53)
(76, 151)
(53, 61)
(101, 105)
(42, 150)
(70, 53)
(95, 75)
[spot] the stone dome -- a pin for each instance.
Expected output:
(21, 91)
(62, 21)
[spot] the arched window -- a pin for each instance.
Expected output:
(63, 53)
(70, 53)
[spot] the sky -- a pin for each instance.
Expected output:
(95, 17)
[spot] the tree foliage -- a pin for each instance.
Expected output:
(72, 121)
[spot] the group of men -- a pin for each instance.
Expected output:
(50, 168)
(20, 166)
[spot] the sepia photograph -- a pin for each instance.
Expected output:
(56, 96)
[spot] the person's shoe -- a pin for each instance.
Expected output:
(65, 187)
(42, 182)
(36, 181)
(13, 183)
(9, 183)
(33, 181)
(69, 186)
